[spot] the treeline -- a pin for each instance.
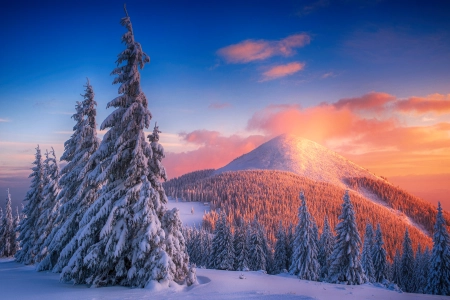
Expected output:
(420, 211)
(174, 187)
(336, 258)
(272, 196)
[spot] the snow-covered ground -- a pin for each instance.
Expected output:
(23, 282)
(187, 217)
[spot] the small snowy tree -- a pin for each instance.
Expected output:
(379, 257)
(240, 246)
(366, 258)
(345, 260)
(222, 254)
(28, 225)
(396, 269)
(175, 244)
(407, 265)
(77, 191)
(439, 267)
(192, 275)
(326, 244)
(8, 235)
(304, 260)
(257, 256)
(49, 206)
(280, 255)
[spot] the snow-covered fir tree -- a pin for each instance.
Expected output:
(257, 253)
(289, 244)
(420, 271)
(77, 191)
(49, 206)
(366, 257)
(191, 277)
(121, 239)
(379, 257)
(280, 255)
(222, 252)
(304, 260)
(16, 232)
(175, 243)
(241, 250)
(7, 232)
(345, 260)
(326, 244)
(396, 269)
(407, 264)
(28, 225)
(439, 266)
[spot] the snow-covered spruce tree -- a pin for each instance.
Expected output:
(8, 234)
(379, 257)
(396, 269)
(345, 264)
(407, 264)
(77, 191)
(28, 225)
(289, 243)
(16, 244)
(304, 261)
(326, 244)
(280, 256)
(241, 246)
(175, 244)
(419, 271)
(222, 254)
(49, 206)
(205, 247)
(257, 255)
(157, 170)
(121, 239)
(439, 266)
(366, 257)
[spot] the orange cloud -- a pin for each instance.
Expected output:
(251, 50)
(283, 70)
(436, 103)
(370, 101)
(214, 151)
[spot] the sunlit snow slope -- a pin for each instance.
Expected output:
(301, 156)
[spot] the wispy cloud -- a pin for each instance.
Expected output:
(252, 50)
(283, 70)
(2, 120)
(219, 105)
(327, 75)
(309, 8)
(436, 103)
(371, 101)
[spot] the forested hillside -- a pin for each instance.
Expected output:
(272, 196)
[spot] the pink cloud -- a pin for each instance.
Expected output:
(251, 50)
(215, 151)
(283, 70)
(219, 105)
(436, 103)
(370, 101)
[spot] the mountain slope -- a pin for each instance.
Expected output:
(300, 156)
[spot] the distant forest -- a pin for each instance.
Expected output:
(272, 196)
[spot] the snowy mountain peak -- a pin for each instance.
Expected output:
(301, 156)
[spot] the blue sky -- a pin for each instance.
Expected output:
(401, 48)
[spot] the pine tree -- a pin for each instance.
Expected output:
(49, 206)
(28, 225)
(222, 254)
(8, 235)
(16, 244)
(419, 271)
(366, 258)
(396, 270)
(121, 239)
(326, 244)
(345, 260)
(240, 246)
(379, 257)
(257, 255)
(439, 267)
(77, 189)
(280, 257)
(407, 265)
(304, 263)
(175, 243)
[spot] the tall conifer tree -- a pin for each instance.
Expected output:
(379, 257)
(366, 258)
